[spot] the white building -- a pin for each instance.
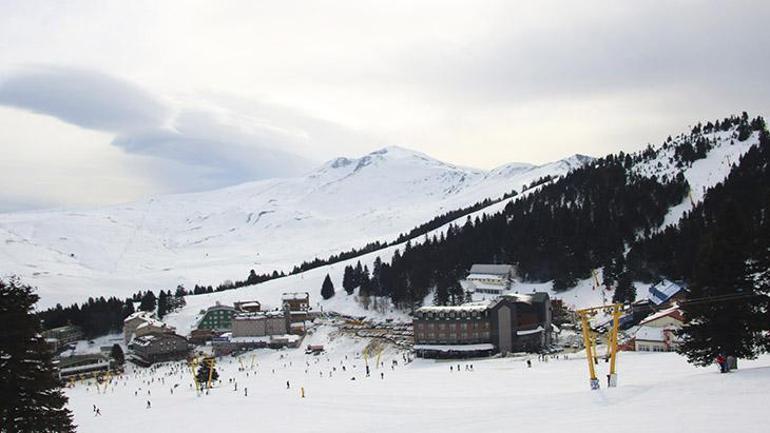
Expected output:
(493, 280)
(657, 333)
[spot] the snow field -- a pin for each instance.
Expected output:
(657, 392)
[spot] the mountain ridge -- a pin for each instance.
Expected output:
(212, 236)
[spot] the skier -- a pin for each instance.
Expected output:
(529, 363)
(382, 375)
(287, 384)
(98, 412)
(148, 404)
(245, 392)
(721, 362)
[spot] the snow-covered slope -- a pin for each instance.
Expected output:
(273, 224)
(657, 392)
(703, 173)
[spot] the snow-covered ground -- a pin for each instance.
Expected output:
(657, 392)
(704, 173)
(269, 225)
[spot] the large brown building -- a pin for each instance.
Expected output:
(149, 349)
(511, 323)
(260, 324)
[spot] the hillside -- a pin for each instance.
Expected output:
(269, 225)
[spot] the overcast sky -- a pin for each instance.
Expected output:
(105, 102)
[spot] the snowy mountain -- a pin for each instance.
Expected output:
(212, 236)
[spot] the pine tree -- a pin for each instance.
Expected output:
(252, 278)
(206, 367)
(148, 302)
(117, 355)
(32, 400)
(347, 280)
(715, 325)
(327, 288)
(163, 306)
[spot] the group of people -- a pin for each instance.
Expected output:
(468, 367)
(726, 363)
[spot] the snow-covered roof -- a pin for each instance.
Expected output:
(220, 307)
(454, 347)
(261, 315)
(530, 331)
(144, 315)
(263, 339)
(250, 304)
(484, 277)
(491, 269)
(295, 296)
(154, 323)
(663, 291)
(471, 306)
(290, 338)
(672, 311)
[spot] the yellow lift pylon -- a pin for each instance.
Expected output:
(589, 341)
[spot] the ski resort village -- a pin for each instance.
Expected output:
(514, 304)
(359, 216)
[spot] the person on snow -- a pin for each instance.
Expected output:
(721, 362)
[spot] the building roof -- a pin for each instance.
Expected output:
(485, 277)
(663, 291)
(530, 331)
(261, 315)
(491, 269)
(64, 328)
(146, 340)
(673, 312)
(249, 304)
(220, 307)
(144, 315)
(154, 323)
(469, 307)
(295, 296)
(454, 347)
(650, 333)
(77, 359)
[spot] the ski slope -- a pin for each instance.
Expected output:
(213, 236)
(657, 392)
(704, 173)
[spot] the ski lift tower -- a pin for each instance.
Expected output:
(590, 337)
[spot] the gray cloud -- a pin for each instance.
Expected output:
(675, 46)
(85, 98)
(144, 125)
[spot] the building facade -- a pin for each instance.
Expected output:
(248, 306)
(511, 323)
(149, 349)
(64, 334)
(77, 365)
(217, 318)
(143, 323)
(657, 332)
(260, 324)
(494, 280)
